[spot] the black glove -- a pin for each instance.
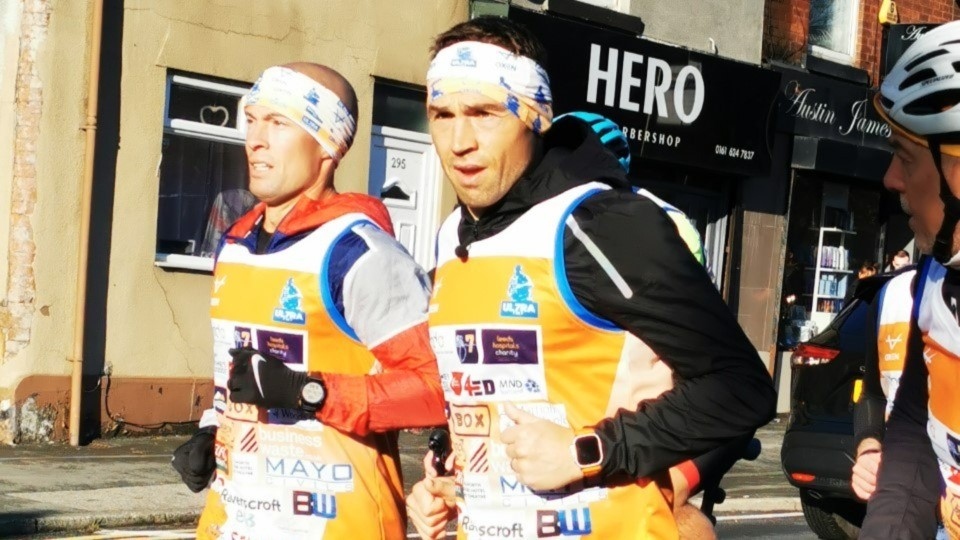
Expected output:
(194, 459)
(264, 381)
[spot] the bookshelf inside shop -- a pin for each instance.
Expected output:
(832, 274)
(833, 230)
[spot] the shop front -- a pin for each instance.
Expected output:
(697, 123)
(840, 219)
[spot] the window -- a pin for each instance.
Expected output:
(833, 29)
(203, 170)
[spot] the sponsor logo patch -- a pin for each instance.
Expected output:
(290, 310)
(491, 526)
(285, 346)
(244, 467)
(326, 477)
(467, 350)
(520, 297)
(503, 346)
(250, 503)
(242, 337)
(470, 420)
(242, 412)
(219, 399)
(248, 443)
(479, 459)
(306, 503)
(571, 522)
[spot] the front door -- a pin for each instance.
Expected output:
(405, 173)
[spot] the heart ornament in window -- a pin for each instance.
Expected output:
(216, 115)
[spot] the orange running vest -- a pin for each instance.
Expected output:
(506, 327)
(281, 474)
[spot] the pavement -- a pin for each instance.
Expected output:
(128, 482)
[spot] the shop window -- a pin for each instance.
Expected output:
(203, 170)
(834, 229)
(833, 29)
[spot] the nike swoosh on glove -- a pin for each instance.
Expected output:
(194, 459)
(264, 380)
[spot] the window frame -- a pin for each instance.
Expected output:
(197, 130)
(837, 56)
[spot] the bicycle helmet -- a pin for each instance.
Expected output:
(921, 95)
(609, 133)
(920, 99)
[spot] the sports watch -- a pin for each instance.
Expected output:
(588, 452)
(312, 395)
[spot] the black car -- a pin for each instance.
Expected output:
(818, 448)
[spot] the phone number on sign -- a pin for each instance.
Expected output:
(722, 150)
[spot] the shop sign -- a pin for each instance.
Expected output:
(899, 38)
(816, 106)
(673, 104)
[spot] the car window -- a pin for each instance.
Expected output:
(853, 327)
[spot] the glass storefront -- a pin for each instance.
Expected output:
(835, 227)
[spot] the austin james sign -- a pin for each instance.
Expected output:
(899, 37)
(817, 106)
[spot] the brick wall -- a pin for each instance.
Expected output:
(785, 28)
(16, 312)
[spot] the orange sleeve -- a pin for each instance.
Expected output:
(406, 394)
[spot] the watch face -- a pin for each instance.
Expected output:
(312, 392)
(588, 450)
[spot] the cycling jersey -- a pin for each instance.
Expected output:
(888, 322)
(918, 475)
(519, 335)
(337, 296)
(893, 326)
(938, 322)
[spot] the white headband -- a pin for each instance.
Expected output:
(303, 100)
(456, 68)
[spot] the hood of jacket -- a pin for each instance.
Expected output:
(306, 216)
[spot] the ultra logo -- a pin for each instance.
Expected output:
(290, 311)
(521, 302)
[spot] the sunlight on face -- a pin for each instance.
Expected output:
(484, 149)
(913, 176)
(283, 159)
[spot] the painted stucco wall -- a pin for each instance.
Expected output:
(158, 319)
(736, 27)
(156, 322)
(41, 165)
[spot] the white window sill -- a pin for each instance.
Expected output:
(833, 56)
(184, 262)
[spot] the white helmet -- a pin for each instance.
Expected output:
(921, 94)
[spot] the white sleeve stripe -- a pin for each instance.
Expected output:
(384, 291)
(601, 259)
